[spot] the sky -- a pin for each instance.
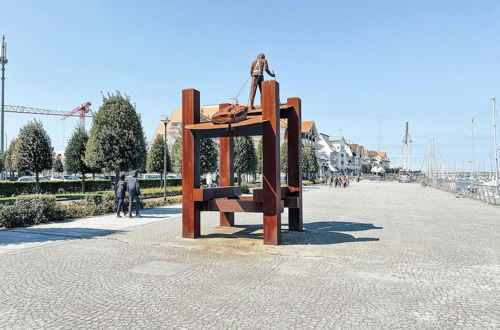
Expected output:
(361, 68)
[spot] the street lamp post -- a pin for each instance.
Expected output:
(164, 120)
(3, 61)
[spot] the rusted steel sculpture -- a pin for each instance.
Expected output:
(227, 199)
(230, 114)
(257, 72)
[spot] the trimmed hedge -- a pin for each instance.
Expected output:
(15, 188)
(157, 183)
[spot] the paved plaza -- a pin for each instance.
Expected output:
(374, 256)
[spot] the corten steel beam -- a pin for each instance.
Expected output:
(271, 163)
(226, 152)
(231, 205)
(284, 109)
(190, 164)
(205, 194)
(295, 221)
(289, 200)
(258, 194)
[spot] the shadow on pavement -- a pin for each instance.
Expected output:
(328, 232)
(38, 235)
(160, 212)
(315, 233)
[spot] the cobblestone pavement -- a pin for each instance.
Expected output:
(374, 256)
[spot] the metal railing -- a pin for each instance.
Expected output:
(487, 194)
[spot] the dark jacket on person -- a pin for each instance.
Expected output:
(133, 187)
(121, 188)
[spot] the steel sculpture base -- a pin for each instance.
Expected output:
(227, 199)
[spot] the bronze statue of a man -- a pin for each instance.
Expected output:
(257, 72)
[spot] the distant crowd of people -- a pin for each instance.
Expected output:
(338, 181)
(134, 192)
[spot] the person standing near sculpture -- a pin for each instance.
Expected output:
(121, 188)
(134, 193)
(257, 72)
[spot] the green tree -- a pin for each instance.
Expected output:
(177, 156)
(284, 157)
(309, 161)
(10, 157)
(57, 166)
(116, 141)
(245, 157)
(260, 153)
(208, 156)
(34, 149)
(366, 168)
(75, 154)
(155, 161)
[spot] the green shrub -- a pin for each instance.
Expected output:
(30, 210)
(35, 209)
(9, 216)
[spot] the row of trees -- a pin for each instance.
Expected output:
(117, 143)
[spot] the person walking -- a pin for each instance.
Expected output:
(121, 188)
(134, 193)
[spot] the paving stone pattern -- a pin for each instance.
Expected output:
(374, 256)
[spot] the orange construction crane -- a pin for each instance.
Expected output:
(80, 111)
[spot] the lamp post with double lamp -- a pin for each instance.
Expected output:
(164, 120)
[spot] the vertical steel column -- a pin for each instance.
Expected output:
(295, 162)
(226, 153)
(271, 163)
(190, 164)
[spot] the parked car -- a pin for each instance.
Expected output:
(64, 178)
(71, 178)
(31, 179)
(57, 178)
(27, 179)
(152, 176)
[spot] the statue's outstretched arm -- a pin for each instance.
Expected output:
(269, 71)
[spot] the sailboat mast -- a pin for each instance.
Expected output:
(495, 147)
(405, 156)
(472, 160)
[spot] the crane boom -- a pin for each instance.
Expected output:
(39, 111)
(80, 111)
